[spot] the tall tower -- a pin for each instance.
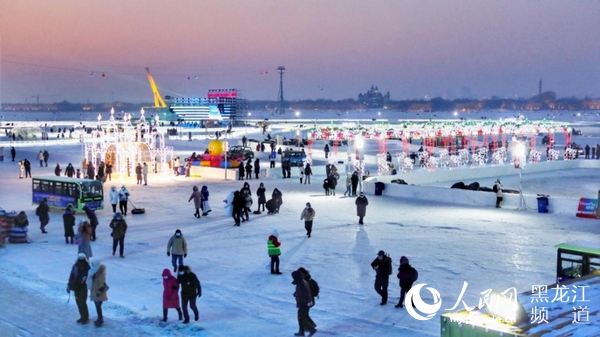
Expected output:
(281, 109)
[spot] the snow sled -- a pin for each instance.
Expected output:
(256, 212)
(473, 186)
(136, 210)
(459, 185)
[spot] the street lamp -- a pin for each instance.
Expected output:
(520, 160)
(358, 145)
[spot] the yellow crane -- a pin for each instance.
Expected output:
(159, 102)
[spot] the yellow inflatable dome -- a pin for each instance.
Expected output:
(215, 147)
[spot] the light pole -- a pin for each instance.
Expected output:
(359, 144)
(520, 161)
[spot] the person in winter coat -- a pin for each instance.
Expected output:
(123, 199)
(40, 157)
(348, 185)
(241, 171)
(383, 268)
(27, 168)
(407, 276)
(84, 231)
(138, 173)
(170, 294)
(190, 290)
(355, 178)
(272, 158)
(326, 186)
(308, 214)
(78, 284)
(57, 170)
(239, 203)
(361, 207)
(177, 249)
(108, 171)
(21, 169)
(13, 153)
(499, 194)
(326, 150)
(247, 195)
(46, 157)
(256, 167)
(98, 288)
(91, 171)
(307, 173)
(197, 197)
(119, 228)
(69, 224)
(101, 172)
(274, 251)
(301, 173)
(21, 220)
(43, 212)
(278, 197)
(261, 195)
(93, 219)
(332, 183)
(304, 301)
(145, 173)
(205, 205)
(249, 169)
(113, 197)
(70, 171)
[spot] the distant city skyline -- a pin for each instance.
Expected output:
(333, 49)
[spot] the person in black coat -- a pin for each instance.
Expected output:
(57, 170)
(261, 194)
(91, 171)
(383, 268)
(43, 212)
(354, 180)
(257, 167)
(278, 197)
(239, 203)
(13, 153)
(307, 173)
(190, 290)
(407, 276)
(27, 166)
(249, 169)
(241, 171)
(304, 301)
(93, 221)
(361, 207)
(70, 171)
(69, 223)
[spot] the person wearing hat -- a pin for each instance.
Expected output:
(96, 282)
(119, 228)
(274, 251)
(499, 195)
(123, 198)
(304, 301)
(383, 269)
(77, 283)
(407, 276)
(190, 290)
(361, 207)
(177, 249)
(308, 214)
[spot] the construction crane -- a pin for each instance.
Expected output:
(159, 102)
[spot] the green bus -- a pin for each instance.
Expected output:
(576, 259)
(62, 191)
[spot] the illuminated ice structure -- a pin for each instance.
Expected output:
(124, 145)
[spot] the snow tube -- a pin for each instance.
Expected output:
(473, 186)
(459, 185)
(486, 189)
(18, 232)
(18, 240)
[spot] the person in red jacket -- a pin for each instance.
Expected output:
(170, 294)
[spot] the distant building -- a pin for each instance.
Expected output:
(373, 99)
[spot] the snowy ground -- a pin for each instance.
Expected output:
(448, 244)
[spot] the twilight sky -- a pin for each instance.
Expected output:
(60, 49)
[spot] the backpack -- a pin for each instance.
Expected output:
(314, 287)
(416, 275)
(77, 279)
